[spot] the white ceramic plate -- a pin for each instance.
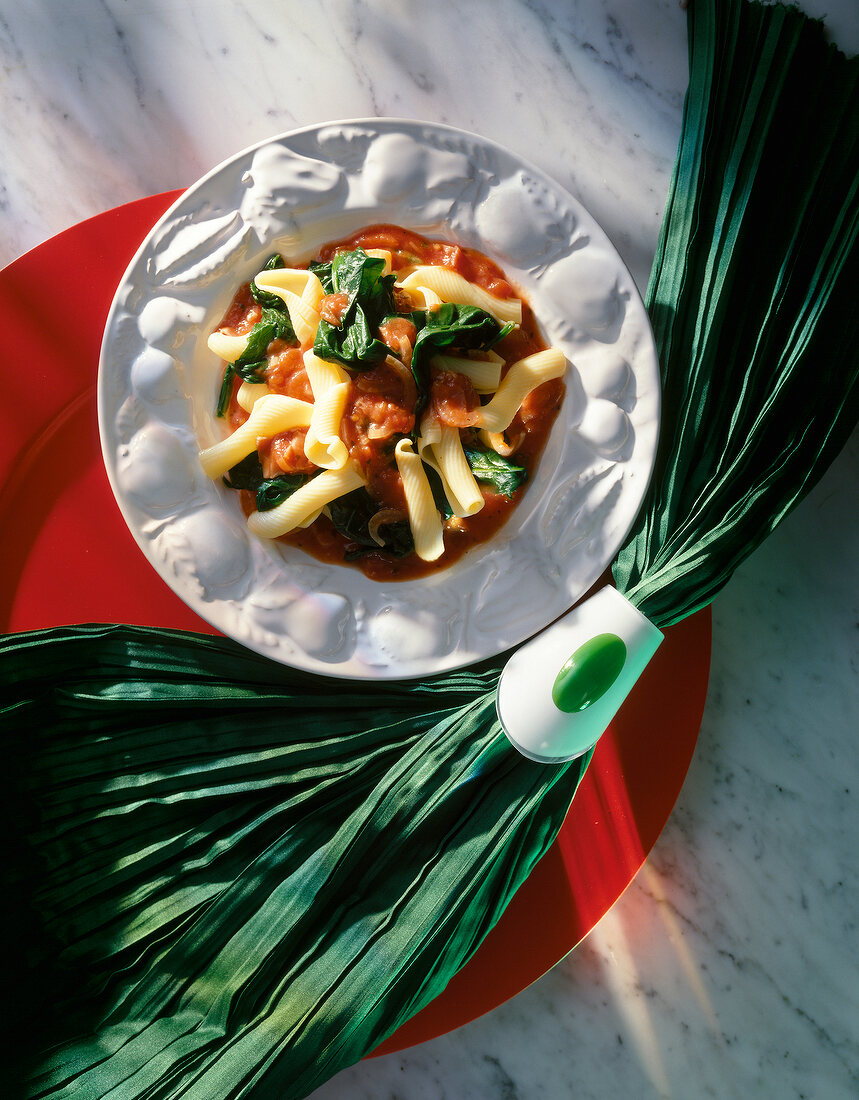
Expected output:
(158, 383)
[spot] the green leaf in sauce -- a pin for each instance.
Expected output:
(223, 402)
(362, 279)
(351, 515)
(275, 490)
(265, 297)
(494, 469)
(271, 491)
(274, 324)
(246, 474)
(451, 325)
(439, 496)
(322, 271)
(248, 372)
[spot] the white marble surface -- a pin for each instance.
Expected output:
(728, 968)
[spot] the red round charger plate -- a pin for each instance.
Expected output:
(67, 557)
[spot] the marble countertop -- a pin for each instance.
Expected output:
(728, 967)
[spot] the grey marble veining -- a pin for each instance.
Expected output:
(728, 968)
(127, 101)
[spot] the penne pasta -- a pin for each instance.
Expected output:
(522, 377)
(423, 297)
(323, 374)
(301, 291)
(424, 518)
(270, 415)
(496, 441)
(295, 280)
(305, 502)
(440, 447)
(484, 374)
(452, 287)
(249, 393)
(226, 347)
(323, 445)
(330, 384)
(311, 519)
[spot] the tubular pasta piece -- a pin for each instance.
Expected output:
(495, 441)
(323, 445)
(484, 374)
(301, 291)
(440, 447)
(422, 297)
(226, 347)
(330, 385)
(305, 502)
(452, 287)
(313, 292)
(296, 280)
(312, 518)
(523, 376)
(428, 440)
(322, 374)
(463, 487)
(249, 393)
(424, 519)
(270, 415)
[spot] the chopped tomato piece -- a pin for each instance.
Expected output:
(285, 372)
(399, 334)
(454, 400)
(286, 454)
(332, 307)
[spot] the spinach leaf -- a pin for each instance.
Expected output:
(275, 490)
(439, 496)
(226, 388)
(351, 515)
(323, 274)
(271, 491)
(248, 372)
(274, 324)
(451, 325)
(503, 475)
(265, 297)
(370, 292)
(353, 344)
(363, 278)
(251, 372)
(246, 474)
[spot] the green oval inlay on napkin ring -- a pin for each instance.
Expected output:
(588, 673)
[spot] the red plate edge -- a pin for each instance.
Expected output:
(52, 548)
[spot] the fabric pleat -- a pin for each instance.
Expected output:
(245, 874)
(752, 300)
(228, 879)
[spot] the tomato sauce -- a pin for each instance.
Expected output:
(380, 408)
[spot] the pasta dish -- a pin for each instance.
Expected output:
(386, 404)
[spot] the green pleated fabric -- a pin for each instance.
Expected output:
(241, 878)
(231, 880)
(752, 298)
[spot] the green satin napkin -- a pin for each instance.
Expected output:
(751, 297)
(246, 874)
(233, 880)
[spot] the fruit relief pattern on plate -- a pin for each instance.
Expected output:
(158, 382)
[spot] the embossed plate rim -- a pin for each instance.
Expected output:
(288, 608)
